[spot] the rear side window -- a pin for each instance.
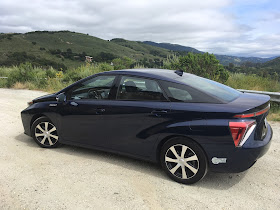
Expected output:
(139, 89)
(215, 89)
(183, 93)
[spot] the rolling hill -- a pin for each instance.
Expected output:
(173, 47)
(275, 63)
(65, 48)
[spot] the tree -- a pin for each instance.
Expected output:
(205, 65)
(231, 66)
(122, 63)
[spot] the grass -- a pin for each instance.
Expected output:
(25, 76)
(274, 113)
(252, 82)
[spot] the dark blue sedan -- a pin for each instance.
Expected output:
(186, 123)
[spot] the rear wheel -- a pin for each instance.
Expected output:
(183, 160)
(45, 133)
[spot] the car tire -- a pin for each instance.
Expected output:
(183, 160)
(45, 133)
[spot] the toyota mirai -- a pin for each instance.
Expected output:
(186, 123)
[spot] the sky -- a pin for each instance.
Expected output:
(230, 27)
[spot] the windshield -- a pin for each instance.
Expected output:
(210, 87)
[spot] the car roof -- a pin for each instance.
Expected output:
(162, 74)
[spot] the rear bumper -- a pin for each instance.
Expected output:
(241, 159)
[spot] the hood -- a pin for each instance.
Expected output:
(49, 97)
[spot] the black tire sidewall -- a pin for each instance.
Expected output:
(35, 123)
(203, 166)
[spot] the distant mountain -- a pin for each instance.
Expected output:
(173, 47)
(224, 59)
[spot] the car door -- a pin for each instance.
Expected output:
(137, 116)
(81, 116)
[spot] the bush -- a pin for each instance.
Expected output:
(24, 73)
(104, 67)
(204, 65)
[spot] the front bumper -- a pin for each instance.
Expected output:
(241, 159)
(26, 119)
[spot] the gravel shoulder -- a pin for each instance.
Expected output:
(75, 178)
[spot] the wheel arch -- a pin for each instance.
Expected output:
(35, 117)
(169, 137)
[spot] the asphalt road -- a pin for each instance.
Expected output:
(75, 178)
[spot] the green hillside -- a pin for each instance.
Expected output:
(270, 69)
(65, 48)
(274, 64)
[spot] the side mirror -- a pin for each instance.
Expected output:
(61, 97)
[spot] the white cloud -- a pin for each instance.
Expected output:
(205, 25)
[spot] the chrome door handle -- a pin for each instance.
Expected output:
(158, 113)
(73, 103)
(100, 111)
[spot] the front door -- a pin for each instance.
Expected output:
(81, 117)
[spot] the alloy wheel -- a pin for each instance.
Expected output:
(46, 134)
(181, 161)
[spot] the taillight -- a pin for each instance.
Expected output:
(254, 114)
(240, 131)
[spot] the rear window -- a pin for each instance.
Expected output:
(215, 89)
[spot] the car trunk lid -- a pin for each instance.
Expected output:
(254, 106)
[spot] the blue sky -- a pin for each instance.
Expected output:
(260, 15)
(232, 27)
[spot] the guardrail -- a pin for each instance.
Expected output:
(274, 96)
(3, 77)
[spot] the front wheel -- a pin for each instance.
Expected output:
(183, 160)
(44, 133)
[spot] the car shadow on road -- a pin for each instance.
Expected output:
(215, 181)
(26, 140)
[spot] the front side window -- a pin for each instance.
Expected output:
(139, 89)
(95, 88)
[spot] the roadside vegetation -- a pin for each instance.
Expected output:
(28, 76)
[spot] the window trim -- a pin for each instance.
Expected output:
(140, 77)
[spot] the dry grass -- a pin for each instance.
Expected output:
(274, 117)
(25, 85)
(252, 82)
